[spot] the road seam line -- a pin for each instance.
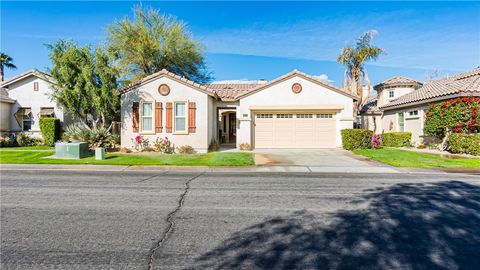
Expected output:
(170, 220)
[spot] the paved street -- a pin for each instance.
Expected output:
(181, 220)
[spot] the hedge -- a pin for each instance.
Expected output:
(464, 143)
(356, 138)
(50, 128)
(396, 139)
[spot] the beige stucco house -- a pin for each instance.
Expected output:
(28, 96)
(406, 112)
(295, 110)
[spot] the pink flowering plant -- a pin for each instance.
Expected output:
(139, 142)
(163, 145)
(377, 141)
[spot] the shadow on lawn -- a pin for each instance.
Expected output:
(406, 226)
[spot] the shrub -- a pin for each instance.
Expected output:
(460, 115)
(50, 128)
(95, 137)
(163, 145)
(125, 150)
(377, 141)
(245, 147)
(464, 143)
(139, 142)
(214, 146)
(113, 140)
(185, 149)
(396, 139)
(148, 149)
(25, 140)
(356, 138)
(6, 142)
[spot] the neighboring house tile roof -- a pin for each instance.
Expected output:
(463, 84)
(397, 81)
(230, 91)
(371, 106)
(4, 96)
(21, 76)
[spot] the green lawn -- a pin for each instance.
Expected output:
(23, 148)
(209, 159)
(405, 158)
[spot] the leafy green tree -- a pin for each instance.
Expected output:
(151, 42)
(5, 62)
(353, 58)
(85, 84)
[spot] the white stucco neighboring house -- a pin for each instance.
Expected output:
(406, 112)
(30, 98)
(295, 110)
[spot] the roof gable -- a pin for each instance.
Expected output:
(27, 74)
(172, 76)
(296, 73)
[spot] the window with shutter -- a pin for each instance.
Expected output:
(168, 117)
(191, 117)
(135, 116)
(158, 117)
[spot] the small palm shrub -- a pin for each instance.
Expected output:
(25, 140)
(185, 149)
(163, 145)
(245, 147)
(214, 146)
(95, 137)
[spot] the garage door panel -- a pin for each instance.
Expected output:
(300, 130)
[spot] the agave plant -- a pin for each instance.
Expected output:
(95, 137)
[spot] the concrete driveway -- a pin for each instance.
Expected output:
(319, 160)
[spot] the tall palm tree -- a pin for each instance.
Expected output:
(353, 58)
(5, 62)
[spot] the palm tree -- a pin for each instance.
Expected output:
(353, 58)
(5, 62)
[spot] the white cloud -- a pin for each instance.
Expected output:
(323, 77)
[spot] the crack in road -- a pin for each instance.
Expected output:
(150, 177)
(170, 220)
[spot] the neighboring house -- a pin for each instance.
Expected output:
(293, 111)
(386, 91)
(5, 108)
(407, 112)
(29, 96)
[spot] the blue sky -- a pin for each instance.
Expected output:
(263, 40)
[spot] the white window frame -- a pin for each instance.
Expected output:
(142, 131)
(174, 114)
(24, 120)
(393, 93)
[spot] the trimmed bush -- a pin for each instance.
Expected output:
(245, 147)
(396, 139)
(356, 138)
(50, 128)
(185, 149)
(464, 143)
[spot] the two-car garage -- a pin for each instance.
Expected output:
(284, 129)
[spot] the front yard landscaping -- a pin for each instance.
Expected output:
(404, 158)
(13, 156)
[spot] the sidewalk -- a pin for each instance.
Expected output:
(246, 169)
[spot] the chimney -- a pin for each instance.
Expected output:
(262, 81)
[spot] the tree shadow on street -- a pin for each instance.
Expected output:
(405, 226)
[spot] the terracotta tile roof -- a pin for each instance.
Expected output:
(467, 83)
(230, 91)
(370, 106)
(398, 81)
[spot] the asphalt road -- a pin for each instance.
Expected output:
(175, 220)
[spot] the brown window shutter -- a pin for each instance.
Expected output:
(35, 86)
(135, 116)
(191, 117)
(158, 117)
(168, 116)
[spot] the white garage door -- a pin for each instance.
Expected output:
(294, 130)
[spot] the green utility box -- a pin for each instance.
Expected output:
(100, 153)
(74, 150)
